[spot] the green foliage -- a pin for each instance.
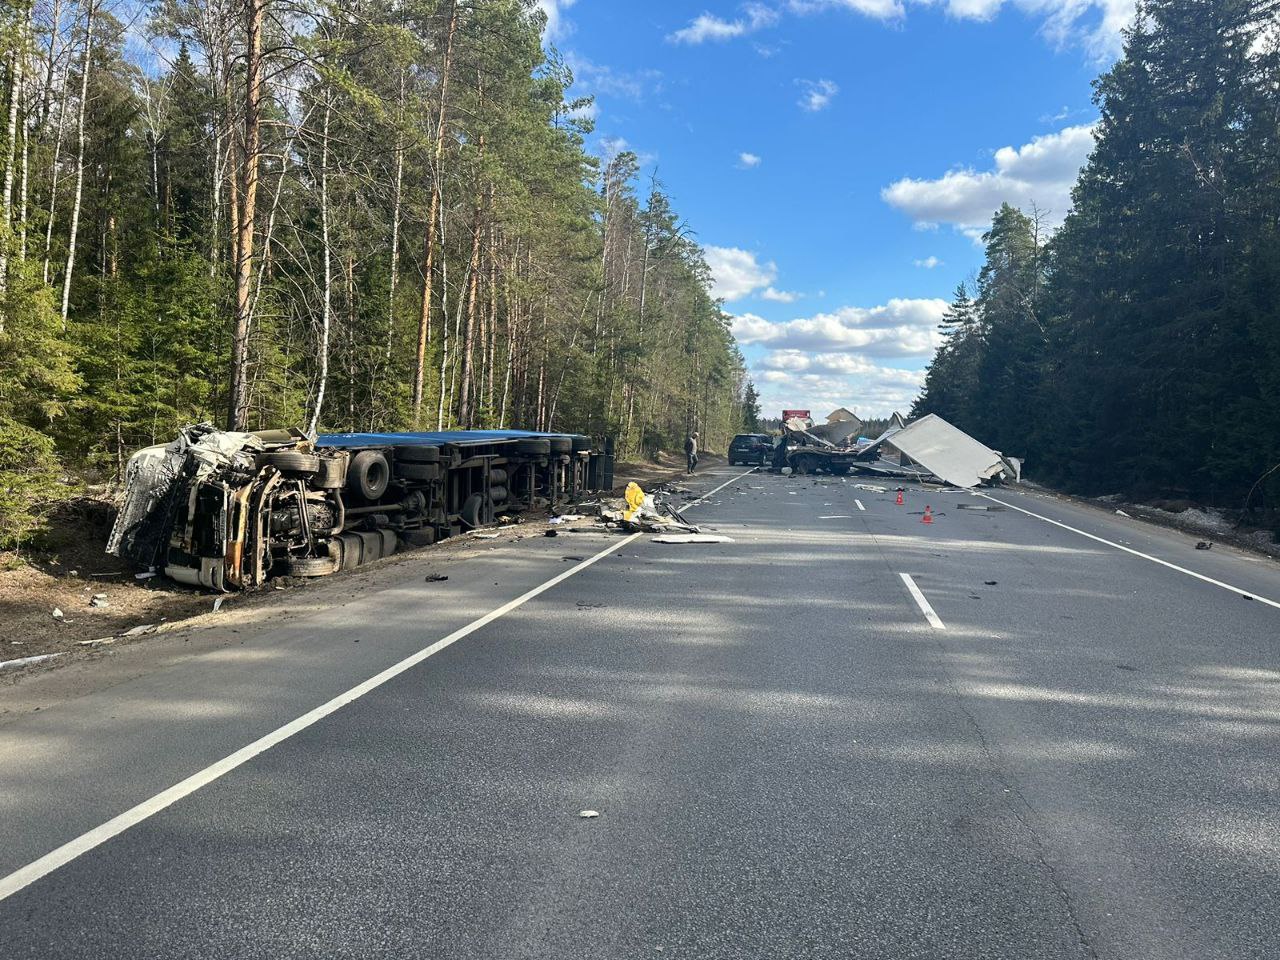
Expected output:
(563, 301)
(1138, 350)
(29, 483)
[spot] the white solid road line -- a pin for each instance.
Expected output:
(24, 876)
(859, 504)
(1139, 553)
(934, 620)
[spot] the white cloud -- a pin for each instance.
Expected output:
(929, 263)
(817, 94)
(1095, 25)
(748, 160)
(557, 26)
(780, 296)
(706, 26)
(1039, 173)
(900, 328)
(736, 273)
(599, 78)
(879, 9)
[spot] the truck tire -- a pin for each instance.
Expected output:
(561, 445)
(369, 474)
(290, 461)
(310, 566)
(583, 444)
(471, 510)
(533, 446)
(804, 464)
(417, 472)
(417, 454)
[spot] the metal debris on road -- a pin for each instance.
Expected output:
(25, 661)
(691, 538)
(436, 578)
(1204, 545)
(588, 814)
(58, 614)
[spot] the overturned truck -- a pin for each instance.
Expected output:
(228, 510)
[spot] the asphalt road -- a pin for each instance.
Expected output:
(1050, 748)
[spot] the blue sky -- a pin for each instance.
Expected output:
(838, 158)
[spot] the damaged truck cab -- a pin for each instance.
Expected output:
(226, 510)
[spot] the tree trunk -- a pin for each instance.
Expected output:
(326, 309)
(424, 320)
(17, 61)
(238, 406)
(75, 205)
(395, 226)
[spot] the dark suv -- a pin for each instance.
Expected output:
(750, 448)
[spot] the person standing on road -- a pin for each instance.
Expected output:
(691, 449)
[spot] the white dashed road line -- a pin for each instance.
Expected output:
(934, 620)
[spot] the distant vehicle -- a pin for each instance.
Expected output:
(750, 448)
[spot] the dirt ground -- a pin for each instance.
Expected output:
(71, 568)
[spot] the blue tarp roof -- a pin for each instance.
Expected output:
(434, 439)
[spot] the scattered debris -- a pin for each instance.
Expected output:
(217, 604)
(588, 814)
(990, 583)
(573, 559)
(1204, 545)
(99, 600)
(58, 614)
(436, 578)
(583, 605)
(870, 487)
(24, 661)
(838, 516)
(566, 518)
(141, 629)
(484, 536)
(551, 533)
(145, 575)
(101, 641)
(947, 452)
(691, 538)
(1121, 513)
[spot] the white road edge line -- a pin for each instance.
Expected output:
(1138, 553)
(859, 503)
(25, 876)
(934, 620)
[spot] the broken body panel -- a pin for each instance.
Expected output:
(228, 510)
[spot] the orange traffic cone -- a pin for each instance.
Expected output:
(899, 498)
(928, 515)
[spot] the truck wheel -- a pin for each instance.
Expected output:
(805, 464)
(420, 472)
(369, 474)
(561, 444)
(290, 461)
(583, 444)
(310, 566)
(418, 454)
(470, 512)
(533, 446)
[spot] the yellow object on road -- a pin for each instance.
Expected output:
(635, 500)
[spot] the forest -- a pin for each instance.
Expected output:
(369, 215)
(1137, 348)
